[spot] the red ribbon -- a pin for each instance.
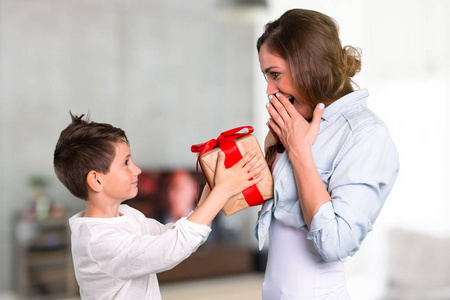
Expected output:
(232, 155)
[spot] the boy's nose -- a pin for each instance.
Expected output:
(138, 171)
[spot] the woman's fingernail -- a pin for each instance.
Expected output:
(270, 97)
(321, 106)
(268, 120)
(277, 94)
(267, 105)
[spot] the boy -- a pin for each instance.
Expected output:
(116, 250)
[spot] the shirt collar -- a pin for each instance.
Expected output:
(336, 107)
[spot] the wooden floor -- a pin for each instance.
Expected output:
(238, 287)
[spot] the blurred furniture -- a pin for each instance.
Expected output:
(419, 266)
(211, 260)
(43, 259)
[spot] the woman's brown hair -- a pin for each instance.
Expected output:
(320, 67)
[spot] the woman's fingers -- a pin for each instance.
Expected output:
(274, 127)
(277, 112)
(317, 116)
(288, 106)
(318, 112)
(280, 106)
(283, 114)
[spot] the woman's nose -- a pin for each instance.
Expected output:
(271, 88)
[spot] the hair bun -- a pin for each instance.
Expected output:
(352, 60)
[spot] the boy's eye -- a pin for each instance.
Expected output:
(126, 162)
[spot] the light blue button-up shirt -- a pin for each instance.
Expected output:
(358, 164)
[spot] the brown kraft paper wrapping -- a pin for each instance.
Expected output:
(237, 203)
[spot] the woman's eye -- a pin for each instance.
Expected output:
(274, 75)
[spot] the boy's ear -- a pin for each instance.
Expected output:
(94, 181)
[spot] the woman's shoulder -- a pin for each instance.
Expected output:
(351, 111)
(359, 116)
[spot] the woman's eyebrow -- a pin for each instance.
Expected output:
(266, 70)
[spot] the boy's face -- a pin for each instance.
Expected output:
(121, 183)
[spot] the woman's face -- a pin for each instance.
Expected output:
(279, 80)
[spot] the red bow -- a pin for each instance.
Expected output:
(232, 155)
(226, 143)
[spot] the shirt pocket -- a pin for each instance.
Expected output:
(288, 193)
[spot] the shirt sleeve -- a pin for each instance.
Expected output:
(154, 227)
(359, 186)
(125, 256)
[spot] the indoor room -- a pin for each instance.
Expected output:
(174, 73)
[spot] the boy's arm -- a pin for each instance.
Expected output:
(228, 182)
(123, 255)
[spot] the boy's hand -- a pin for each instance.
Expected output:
(228, 182)
(237, 178)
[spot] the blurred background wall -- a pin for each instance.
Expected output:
(173, 73)
(170, 73)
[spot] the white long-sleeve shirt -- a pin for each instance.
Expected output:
(118, 258)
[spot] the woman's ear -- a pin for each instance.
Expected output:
(94, 181)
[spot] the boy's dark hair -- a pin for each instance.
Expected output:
(82, 147)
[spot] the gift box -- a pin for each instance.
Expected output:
(234, 144)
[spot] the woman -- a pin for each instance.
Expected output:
(333, 160)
